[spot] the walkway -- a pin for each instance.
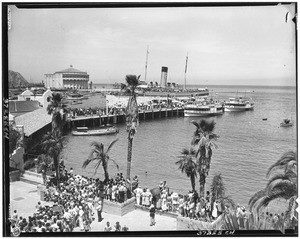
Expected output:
(24, 197)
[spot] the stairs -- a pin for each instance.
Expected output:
(32, 177)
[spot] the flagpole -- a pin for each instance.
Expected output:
(146, 63)
(186, 61)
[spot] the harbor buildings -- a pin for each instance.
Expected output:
(69, 78)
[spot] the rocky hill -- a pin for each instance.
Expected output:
(15, 80)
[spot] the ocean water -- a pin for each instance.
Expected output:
(247, 145)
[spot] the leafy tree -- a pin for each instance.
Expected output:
(44, 163)
(132, 116)
(188, 165)
(217, 190)
(52, 144)
(101, 156)
(203, 138)
(14, 137)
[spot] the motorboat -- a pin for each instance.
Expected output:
(238, 104)
(203, 107)
(286, 123)
(104, 130)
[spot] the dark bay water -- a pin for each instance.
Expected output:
(246, 148)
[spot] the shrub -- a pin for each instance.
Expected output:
(29, 164)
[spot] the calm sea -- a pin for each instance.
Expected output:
(246, 148)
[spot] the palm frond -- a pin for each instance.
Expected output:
(256, 197)
(87, 162)
(283, 161)
(132, 80)
(287, 186)
(194, 122)
(227, 200)
(264, 201)
(115, 163)
(288, 176)
(110, 145)
(185, 152)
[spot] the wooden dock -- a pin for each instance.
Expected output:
(98, 120)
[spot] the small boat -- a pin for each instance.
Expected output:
(104, 130)
(238, 104)
(203, 107)
(265, 119)
(286, 123)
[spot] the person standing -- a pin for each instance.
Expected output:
(99, 210)
(215, 210)
(152, 215)
(138, 193)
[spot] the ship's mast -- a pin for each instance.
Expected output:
(146, 63)
(186, 61)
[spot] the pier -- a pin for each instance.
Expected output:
(98, 120)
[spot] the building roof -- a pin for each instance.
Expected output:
(16, 106)
(70, 70)
(33, 121)
(27, 92)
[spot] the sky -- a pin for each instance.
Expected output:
(249, 45)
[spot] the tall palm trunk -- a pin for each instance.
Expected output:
(201, 170)
(104, 165)
(193, 181)
(129, 155)
(56, 165)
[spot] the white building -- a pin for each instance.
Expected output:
(69, 78)
(27, 95)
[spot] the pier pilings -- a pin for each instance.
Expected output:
(98, 120)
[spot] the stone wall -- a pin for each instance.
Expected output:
(14, 176)
(17, 160)
(119, 209)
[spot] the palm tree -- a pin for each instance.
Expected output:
(203, 137)
(132, 116)
(281, 185)
(44, 163)
(56, 109)
(217, 190)
(101, 156)
(187, 164)
(52, 144)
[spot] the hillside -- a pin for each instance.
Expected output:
(15, 80)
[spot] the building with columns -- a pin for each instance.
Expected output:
(70, 78)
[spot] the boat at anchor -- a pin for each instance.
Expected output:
(104, 130)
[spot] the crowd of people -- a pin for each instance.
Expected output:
(73, 112)
(70, 206)
(189, 205)
(77, 201)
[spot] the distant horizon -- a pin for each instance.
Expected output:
(215, 85)
(243, 44)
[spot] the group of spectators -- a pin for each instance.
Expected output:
(189, 205)
(117, 189)
(73, 112)
(70, 206)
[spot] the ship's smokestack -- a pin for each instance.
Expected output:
(164, 75)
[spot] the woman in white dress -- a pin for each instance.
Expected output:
(164, 201)
(148, 198)
(215, 210)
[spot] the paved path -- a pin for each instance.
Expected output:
(24, 197)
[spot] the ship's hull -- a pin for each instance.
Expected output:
(236, 108)
(106, 131)
(191, 111)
